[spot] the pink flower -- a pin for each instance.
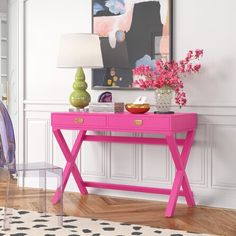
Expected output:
(168, 73)
(198, 53)
(197, 67)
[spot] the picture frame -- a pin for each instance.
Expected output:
(132, 33)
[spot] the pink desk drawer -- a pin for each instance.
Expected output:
(79, 121)
(136, 123)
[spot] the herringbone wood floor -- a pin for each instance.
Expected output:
(198, 219)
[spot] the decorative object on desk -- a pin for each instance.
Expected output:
(165, 77)
(119, 107)
(139, 106)
(126, 40)
(163, 99)
(115, 107)
(80, 51)
(105, 97)
(140, 100)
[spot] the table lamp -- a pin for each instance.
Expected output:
(80, 51)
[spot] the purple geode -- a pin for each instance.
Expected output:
(105, 97)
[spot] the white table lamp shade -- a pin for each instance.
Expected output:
(80, 50)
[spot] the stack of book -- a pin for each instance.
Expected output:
(116, 107)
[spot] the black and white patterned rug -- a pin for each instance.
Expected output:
(36, 224)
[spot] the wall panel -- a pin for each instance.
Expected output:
(223, 151)
(93, 159)
(197, 165)
(123, 160)
(156, 163)
(37, 140)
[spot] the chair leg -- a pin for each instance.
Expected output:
(42, 191)
(8, 202)
(43, 174)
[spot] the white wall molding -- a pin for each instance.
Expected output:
(97, 159)
(123, 161)
(42, 149)
(217, 110)
(201, 164)
(223, 151)
(59, 102)
(65, 102)
(156, 164)
(197, 169)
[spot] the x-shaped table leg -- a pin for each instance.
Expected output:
(70, 165)
(181, 179)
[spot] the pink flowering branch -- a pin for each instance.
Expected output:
(169, 73)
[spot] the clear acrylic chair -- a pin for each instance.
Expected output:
(7, 157)
(4, 188)
(43, 171)
(8, 169)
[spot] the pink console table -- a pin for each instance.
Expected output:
(168, 125)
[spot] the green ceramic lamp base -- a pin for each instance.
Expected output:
(80, 98)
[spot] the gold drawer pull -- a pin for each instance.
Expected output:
(79, 120)
(138, 122)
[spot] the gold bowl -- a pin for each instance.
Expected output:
(137, 108)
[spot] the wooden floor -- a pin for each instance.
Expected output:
(151, 213)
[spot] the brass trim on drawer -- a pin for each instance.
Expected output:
(138, 122)
(79, 120)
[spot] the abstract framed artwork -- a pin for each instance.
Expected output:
(132, 33)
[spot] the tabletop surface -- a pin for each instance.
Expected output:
(177, 114)
(124, 122)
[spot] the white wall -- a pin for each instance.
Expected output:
(207, 24)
